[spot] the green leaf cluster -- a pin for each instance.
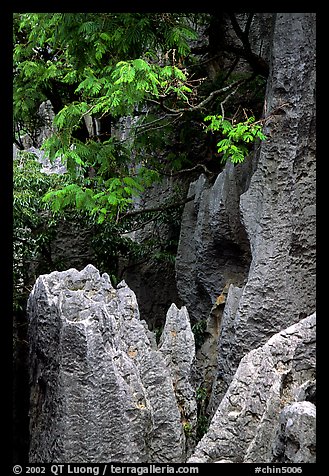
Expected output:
(202, 397)
(236, 137)
(188, 429)
(33, 222)
(93, 66)
(96, 53)
(104, 199)
(199, 331)
(101, 68)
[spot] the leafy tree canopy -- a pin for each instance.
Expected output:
(102, 66)
(133, 101)
(97, 70)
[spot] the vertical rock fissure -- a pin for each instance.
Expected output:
(213, 255)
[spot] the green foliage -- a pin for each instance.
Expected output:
(201, 394)
(108, 56)
(96, 65)
(158, 332)
(199, 331)
(35, 225)
(36, 220)
(236, 137)
(187, 427)
(202, 397)
(33, 222)
(103, 198)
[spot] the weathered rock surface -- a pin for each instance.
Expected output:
(297, 435)
(100, 389)
(278, 209)
(255, 226)
(266, 414)
(177, 345)
(213, 247)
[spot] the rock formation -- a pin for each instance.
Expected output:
(100, 389)
(255, 226)
(177, 345)
(213, 246)
(268, 413)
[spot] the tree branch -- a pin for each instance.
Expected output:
(158, 208)
(243, 35)
(141, 225)
(141, 129)
(248, 24)
(197, 166)
(257, 63)
(203, 103)
(227, 97)
(217, 92)
(18, 143)
(238, 30)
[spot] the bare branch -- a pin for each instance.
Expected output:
(166, 108)
(278, 111)
(141, 129)
(217, 92)
(243, 35)
(140, 226)
(227, 97)
(248, 24)
(203, 103)
(257, 63)
(158, 208)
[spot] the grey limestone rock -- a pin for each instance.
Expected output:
(100, 389)
(255, 226)
(213, 246)
(278, 208)
(260, 418)
(297, 434)
(177, 345)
